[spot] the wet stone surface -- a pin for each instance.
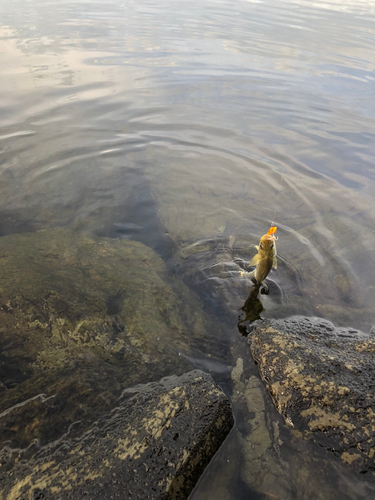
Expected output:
(322, 380)
(154, 444)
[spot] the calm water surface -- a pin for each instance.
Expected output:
(194, 125)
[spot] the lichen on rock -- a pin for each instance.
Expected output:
(155, 443)
(321, 380)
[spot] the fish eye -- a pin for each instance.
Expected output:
(271, 246)
(261, 246)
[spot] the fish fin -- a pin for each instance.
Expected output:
(254, 261)
(274, 262)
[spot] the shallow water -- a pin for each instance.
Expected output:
(190, 127)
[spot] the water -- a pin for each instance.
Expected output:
(190, 127)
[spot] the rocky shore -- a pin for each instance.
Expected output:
(321, 379)
(154, 444)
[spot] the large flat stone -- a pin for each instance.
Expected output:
(154, 444)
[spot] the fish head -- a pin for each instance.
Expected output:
(267, 244)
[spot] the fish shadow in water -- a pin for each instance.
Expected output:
(253, 307)
(251, 310)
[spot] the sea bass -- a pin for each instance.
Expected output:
(265, 258)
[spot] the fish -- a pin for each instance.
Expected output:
(265, 259)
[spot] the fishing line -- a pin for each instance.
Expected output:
(283, 171)
(278, 194)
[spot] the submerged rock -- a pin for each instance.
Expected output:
(65, 297)
(82, 318)
(322, 381)
(154, 444)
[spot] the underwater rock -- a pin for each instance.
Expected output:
(322, 380)
(81, 319)
(154, 444)
(65, 297)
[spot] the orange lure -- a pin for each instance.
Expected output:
(272, 230)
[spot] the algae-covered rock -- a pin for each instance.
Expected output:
(154, 444)
(63, 295)
(82, 318)
(322, 380)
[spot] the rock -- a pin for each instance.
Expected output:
(154, 444)
(65, 297)
(67, 195)
(322, 380)
(320, 260)
(193, 210)
(81, 319)
(264, 458)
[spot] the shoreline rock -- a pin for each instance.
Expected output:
(154, 444)
(321, 379)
